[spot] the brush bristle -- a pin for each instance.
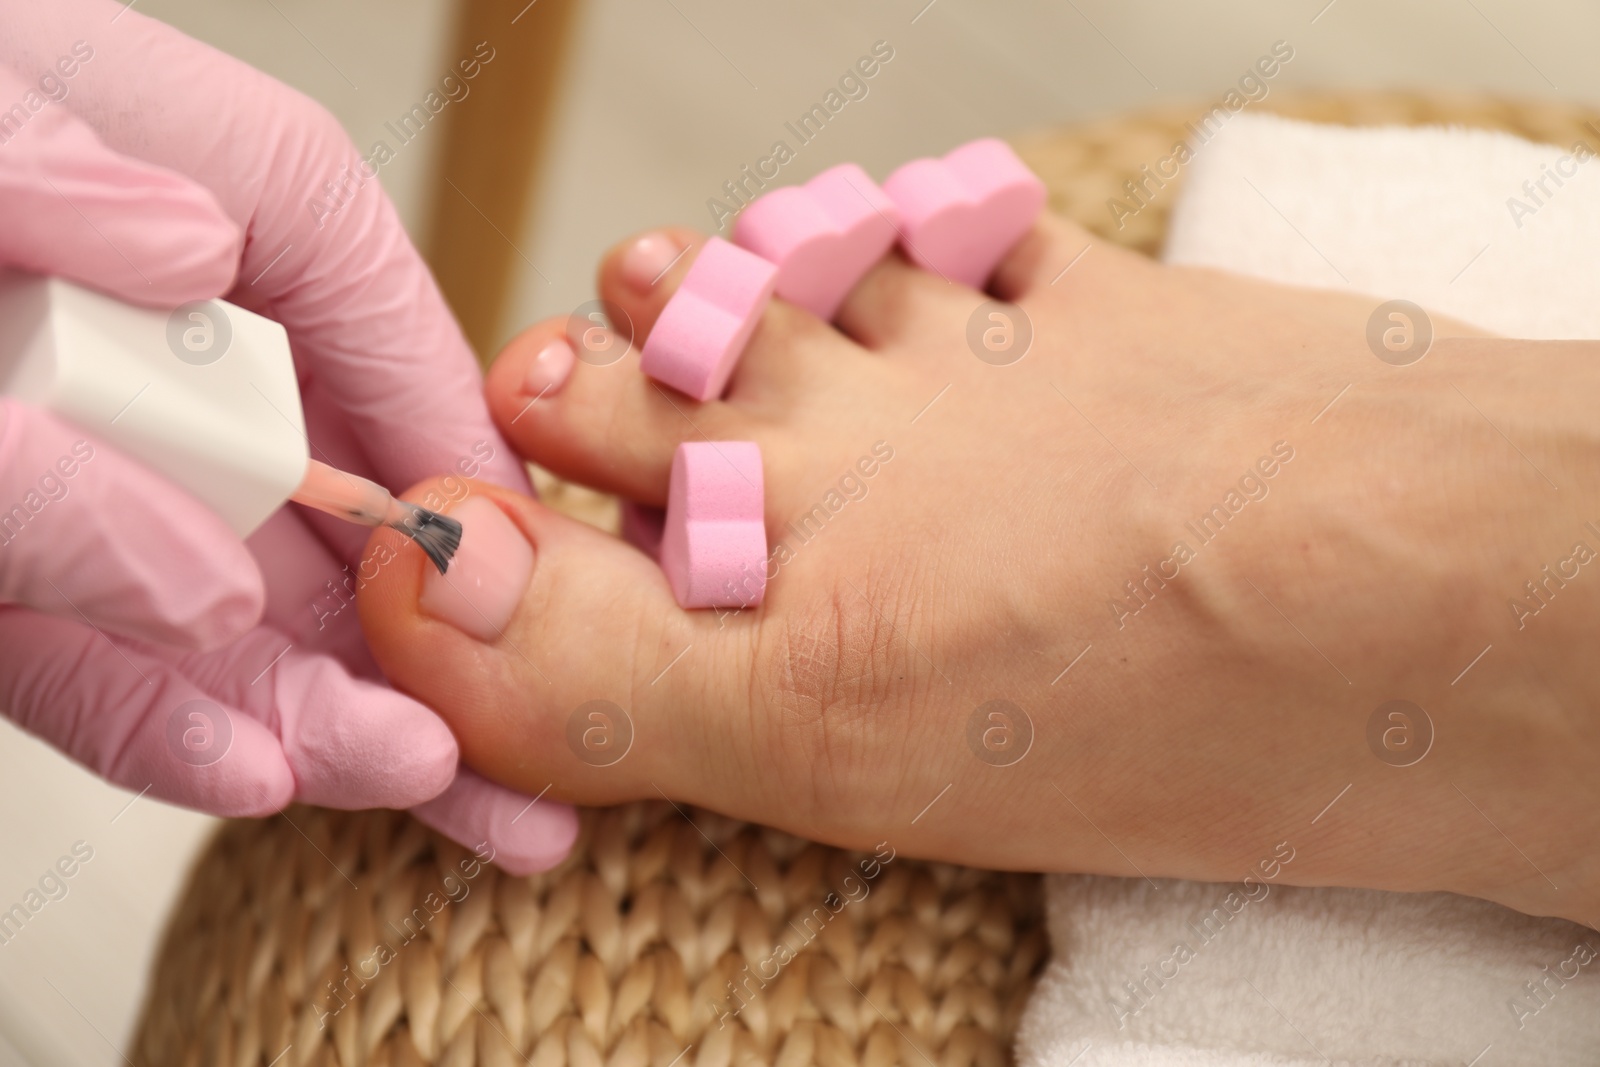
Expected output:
(437, 535)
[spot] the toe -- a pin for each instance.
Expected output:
(1054, 256)
(557, 656)
(597, 420)
(569, 393)
(790, 349)
(901, 308)
(898, 306)
(638, 277)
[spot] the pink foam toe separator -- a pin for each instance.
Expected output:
(714, 541)
(961, 214)
(823, 235)
(702, 331)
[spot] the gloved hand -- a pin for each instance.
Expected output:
(139, 634)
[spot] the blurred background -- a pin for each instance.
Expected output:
(594, 120)
(597, 119)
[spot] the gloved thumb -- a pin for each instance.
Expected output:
(91, 535)
(75, 208)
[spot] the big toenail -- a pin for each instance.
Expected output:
(548, 370)
(481, 590)
(647, 259)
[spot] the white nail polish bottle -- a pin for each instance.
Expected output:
(206, 394)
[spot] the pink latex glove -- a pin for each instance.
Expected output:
(140, 636)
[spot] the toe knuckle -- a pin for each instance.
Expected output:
(828, 675)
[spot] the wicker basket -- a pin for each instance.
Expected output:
(339, 938)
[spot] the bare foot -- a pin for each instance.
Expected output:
(1132, 603)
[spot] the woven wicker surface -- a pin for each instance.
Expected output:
(362, 938)
(335, 938)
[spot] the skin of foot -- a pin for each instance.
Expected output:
(1133, 598)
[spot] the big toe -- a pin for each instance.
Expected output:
(556, 654)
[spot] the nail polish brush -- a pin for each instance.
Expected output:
(360, 500)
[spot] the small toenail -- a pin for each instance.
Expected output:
(647, 259)
(481, 590)
(548, 370)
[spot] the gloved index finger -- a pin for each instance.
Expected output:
(325, 253)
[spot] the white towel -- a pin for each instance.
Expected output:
(1452, 219)
(1186, 975)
